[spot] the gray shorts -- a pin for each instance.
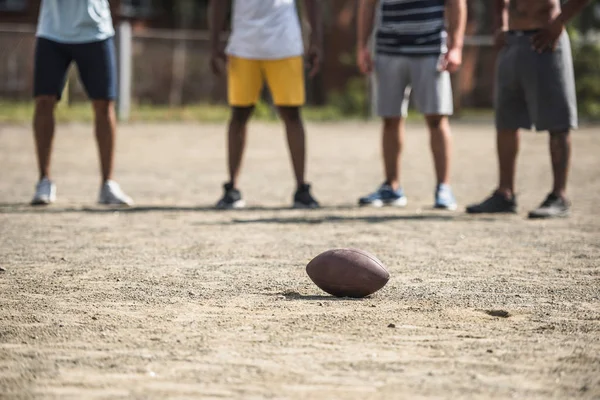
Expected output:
(533, 89)
(398, 75)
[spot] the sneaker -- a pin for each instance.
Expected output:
(384, 196)
(111, 194)
(303, 198)
(444, 199)
(496, 203)
(232, 198)
(45, 193)
(554, 206)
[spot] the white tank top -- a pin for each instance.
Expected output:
(265, 30)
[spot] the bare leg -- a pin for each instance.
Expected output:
(106, 126)
(392, 139)
(43, 128)
(560, 152)
(237, 140)
(296, 138)
(441, 146)
(508, 148)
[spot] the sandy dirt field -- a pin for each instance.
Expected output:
(172, 299)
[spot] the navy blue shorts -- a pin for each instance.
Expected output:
(96, 63)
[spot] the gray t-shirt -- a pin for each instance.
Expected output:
(75, 21)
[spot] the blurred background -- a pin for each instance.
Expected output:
(163, 46)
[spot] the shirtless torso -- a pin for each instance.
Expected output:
(531, 14)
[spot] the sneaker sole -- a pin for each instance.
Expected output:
(491, 212)
(451, 207)
(234, 206)
(120, 204)
(401, 202)
(41, 202)
(304, 206)
(564, 214)
(374, 204)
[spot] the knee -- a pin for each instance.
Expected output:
(290, 115)
(391, 124)
(240, 116)
(559, 135)
(435, 122)
(45, 104)
(103, 108)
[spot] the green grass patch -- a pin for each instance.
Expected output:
(22, 113)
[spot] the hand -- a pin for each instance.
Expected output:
(452, 60)
(547, 38)
(313, 59)
(364, 60)
(500, 39)
(218, 60)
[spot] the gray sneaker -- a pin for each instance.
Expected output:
(553, 207)
(111, 194)
(444, 198)
(45, 193)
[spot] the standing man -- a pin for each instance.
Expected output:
(414, 51)
(535, 86)
(79, 31)
(265, 46)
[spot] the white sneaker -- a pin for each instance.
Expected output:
(45, 193)
(111, 194)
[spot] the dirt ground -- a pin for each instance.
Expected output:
(171, 299)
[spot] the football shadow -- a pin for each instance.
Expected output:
(292, 295)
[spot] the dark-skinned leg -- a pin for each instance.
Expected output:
(105, 130)
(236, 141)
(43, 129)
(441, 146)
(503, 200)
(556, 203)
(560, 153)
(392, 140)
(507, 142)
(296, 138)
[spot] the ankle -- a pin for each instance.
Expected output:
(508, 194)
(394, 184)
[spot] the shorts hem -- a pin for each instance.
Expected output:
(242, 105)
(288, 104)
(110, 98)
(392, 115)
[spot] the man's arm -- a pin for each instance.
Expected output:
(216, 22)
(571, 9)
(547, 38)
(500, 22)
(365, 22)
(457, 20)
(313, 12)
(500, 15)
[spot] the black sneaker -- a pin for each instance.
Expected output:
(232, 198)
(554, 206)
(496, 203)
(303, 198)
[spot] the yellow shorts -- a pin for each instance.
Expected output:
(246, 77)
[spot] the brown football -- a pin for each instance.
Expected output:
(347, 272)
